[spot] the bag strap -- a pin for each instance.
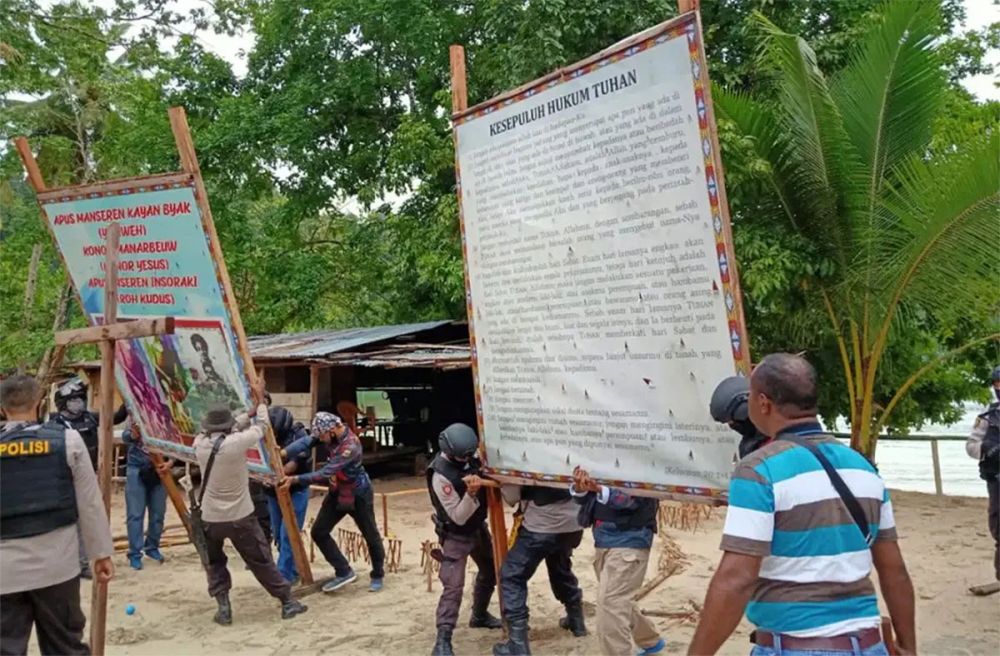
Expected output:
(853, 506)
(208, 468)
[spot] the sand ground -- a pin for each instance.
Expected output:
(945, 541)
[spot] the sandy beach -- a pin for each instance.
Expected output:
(944, 539)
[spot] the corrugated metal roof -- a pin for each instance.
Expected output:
(421, 356)
(320, 343)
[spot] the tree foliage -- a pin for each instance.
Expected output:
(330, 163)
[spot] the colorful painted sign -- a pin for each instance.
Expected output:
(166, 267)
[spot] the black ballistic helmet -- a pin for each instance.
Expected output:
(458, 441)
(74, 388)
(281, 420)
(729, 400)
(995, 376)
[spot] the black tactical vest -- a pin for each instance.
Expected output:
(454, 472)
(642, 516)
(543, 496)
(36, 483)
(989, 458)
(87, 426)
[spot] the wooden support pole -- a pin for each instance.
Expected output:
(99, 591)
(385, 515)
(684, 6)
(173, 492)
(498, 522)
(936, 461)
(313, 391)
(189, 163)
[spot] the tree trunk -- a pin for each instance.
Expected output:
(52, 359)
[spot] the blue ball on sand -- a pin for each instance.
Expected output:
(130, 610)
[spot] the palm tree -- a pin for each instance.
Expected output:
(910, 234)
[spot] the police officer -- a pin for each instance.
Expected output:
(39, 568)
(71, 403)
(624, 526)
(548, 531)
(459, 501)
(984, 445)
(729, 406)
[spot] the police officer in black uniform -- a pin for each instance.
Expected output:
(71, 403)
(460, 521)
(547, 531)
(984, 445)
(47, 488)
(729, 405)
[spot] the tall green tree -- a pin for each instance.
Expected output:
(904, 242)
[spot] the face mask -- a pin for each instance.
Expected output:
(75, 406)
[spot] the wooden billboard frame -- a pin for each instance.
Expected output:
(689, 16)
(190, 173)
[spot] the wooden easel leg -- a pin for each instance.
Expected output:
(498, 527)
(173, 492)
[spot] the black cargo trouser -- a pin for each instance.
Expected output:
(363, 514)
(528, 552)
(248, 539)
(261, 510)
(993, 490)
(55, 613)
(456, 550)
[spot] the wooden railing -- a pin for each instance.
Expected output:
(933, 439)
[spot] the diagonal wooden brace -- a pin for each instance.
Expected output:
(124, 329)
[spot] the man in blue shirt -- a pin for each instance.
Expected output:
(623, 535)
(287, 431)
(794, 557)
(144, 493)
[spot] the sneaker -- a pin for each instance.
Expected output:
(655, 649)
(135, 562)
(155, 555)
(340, 581)
(291, 608)
(376, 585)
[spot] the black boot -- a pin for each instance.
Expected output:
(442, 647)
(224, 615)
(291, 608)
(481, 617)
(573, 622)
(517, 641)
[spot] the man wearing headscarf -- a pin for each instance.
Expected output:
(350, 493)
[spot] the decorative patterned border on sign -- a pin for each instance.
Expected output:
(687, 26)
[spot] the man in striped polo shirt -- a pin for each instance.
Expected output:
(793, 556)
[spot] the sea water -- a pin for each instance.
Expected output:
(908, 465)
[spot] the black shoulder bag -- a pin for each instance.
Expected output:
(853, 506)
(199, 536)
